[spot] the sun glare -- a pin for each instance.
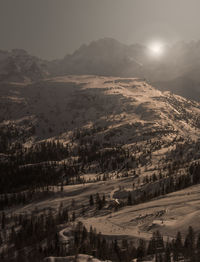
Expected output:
(156, 49)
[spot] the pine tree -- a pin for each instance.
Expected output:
(73, 216)
(198, 244)
(91, 201)
(178, 243)
(103, 200)
(189, 243)
(129, 198)
(141, 250)
(61, 187)
(3, 220)
(167, 256)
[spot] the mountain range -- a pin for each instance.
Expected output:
(177, 71)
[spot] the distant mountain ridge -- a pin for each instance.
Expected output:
(106, 57)
(17, 66)
(177, 71)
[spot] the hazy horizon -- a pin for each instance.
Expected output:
(51, 29)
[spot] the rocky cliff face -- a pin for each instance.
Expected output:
(18, 66)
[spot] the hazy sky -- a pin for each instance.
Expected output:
(53, 28)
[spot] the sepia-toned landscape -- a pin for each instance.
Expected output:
(100, 149)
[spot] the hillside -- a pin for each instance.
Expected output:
(112, 153)
(96, 116)
(58, 105)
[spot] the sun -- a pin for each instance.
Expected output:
(156, 49)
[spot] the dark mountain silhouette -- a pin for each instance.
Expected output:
(106, 57)
(183, 86)
(18, 66)
(177, 71)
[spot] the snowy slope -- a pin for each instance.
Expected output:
(80, 258)
(130, 108)
(116, 112)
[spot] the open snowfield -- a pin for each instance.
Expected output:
(80, 258)
(56, 106)
(171, 213)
